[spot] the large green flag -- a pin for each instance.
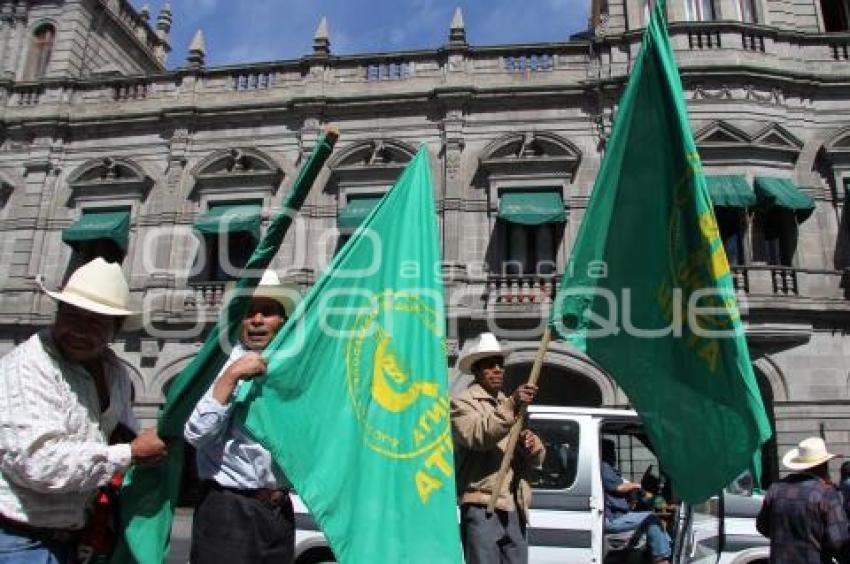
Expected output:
(354, 405)
(149, 493)
(648, 293)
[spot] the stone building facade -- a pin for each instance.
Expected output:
(104, 152)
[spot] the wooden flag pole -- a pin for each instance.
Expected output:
(513, 436)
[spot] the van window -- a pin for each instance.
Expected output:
(561, 463)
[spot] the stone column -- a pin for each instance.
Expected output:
(165, 207)
(453, 184)
(17, 52)
(7, 22)
(727, 9)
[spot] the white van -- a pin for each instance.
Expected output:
(566, 520)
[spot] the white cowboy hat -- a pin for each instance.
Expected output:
(270, 286)
(97, 286)
(484, 345)
(809, 453)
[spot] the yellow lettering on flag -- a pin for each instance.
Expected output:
(426, 484)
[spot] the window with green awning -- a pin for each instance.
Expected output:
(532, 207)
(782, 193)
(355, 211)
(112, 225)
(231, 218)
(731, 191)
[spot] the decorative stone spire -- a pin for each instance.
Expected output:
(163, 22)
(163, 32)
(457, 31)
(197, 51)
(142, 22)
(322, 39)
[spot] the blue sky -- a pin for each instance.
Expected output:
(265, 30)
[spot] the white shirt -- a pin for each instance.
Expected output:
(53, 436)
(225, 452)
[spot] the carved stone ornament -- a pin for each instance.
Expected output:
(109, 178)
(235, 168)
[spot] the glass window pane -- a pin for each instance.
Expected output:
(561, 439)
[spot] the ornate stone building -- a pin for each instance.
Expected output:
(105, 152)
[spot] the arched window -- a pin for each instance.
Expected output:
(40, 50)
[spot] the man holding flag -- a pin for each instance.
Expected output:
(149, 495)
(482, 417)
(648, 292)
(244, 515)
(364, 374)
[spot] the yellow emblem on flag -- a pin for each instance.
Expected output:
(402, 413)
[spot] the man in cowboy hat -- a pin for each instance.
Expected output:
(802, 514)
(482, 417)
(62, 394)
(245, 514)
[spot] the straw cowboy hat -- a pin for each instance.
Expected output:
(97, 286)
(809, 453)
(270, 286)
(482, 346)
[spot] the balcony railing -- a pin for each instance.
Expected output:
(520, 290)
(782, 279)
(205, 296)
(840, 50)
(29, 95)
(699, 47)
(526, 290)
(704, 39)
(257, 80)
(130, 91)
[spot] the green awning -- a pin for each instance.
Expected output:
(532, 207)
(730, 190)
(355, 211)
(781, 192)
(112, 225)
(231, 218)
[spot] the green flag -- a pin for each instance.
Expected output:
(149, 494)
(354, 405)
(648, 293)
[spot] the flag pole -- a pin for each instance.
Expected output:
(513, 436)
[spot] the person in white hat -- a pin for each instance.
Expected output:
(244, 514)
(63, 393)
(482, 417)
(802, 514)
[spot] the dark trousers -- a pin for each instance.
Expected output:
(495, 539)
(233, 528)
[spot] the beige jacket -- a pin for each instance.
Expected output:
(480, 425)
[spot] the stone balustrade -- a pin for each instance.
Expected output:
(699, 44)
(520, 290)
